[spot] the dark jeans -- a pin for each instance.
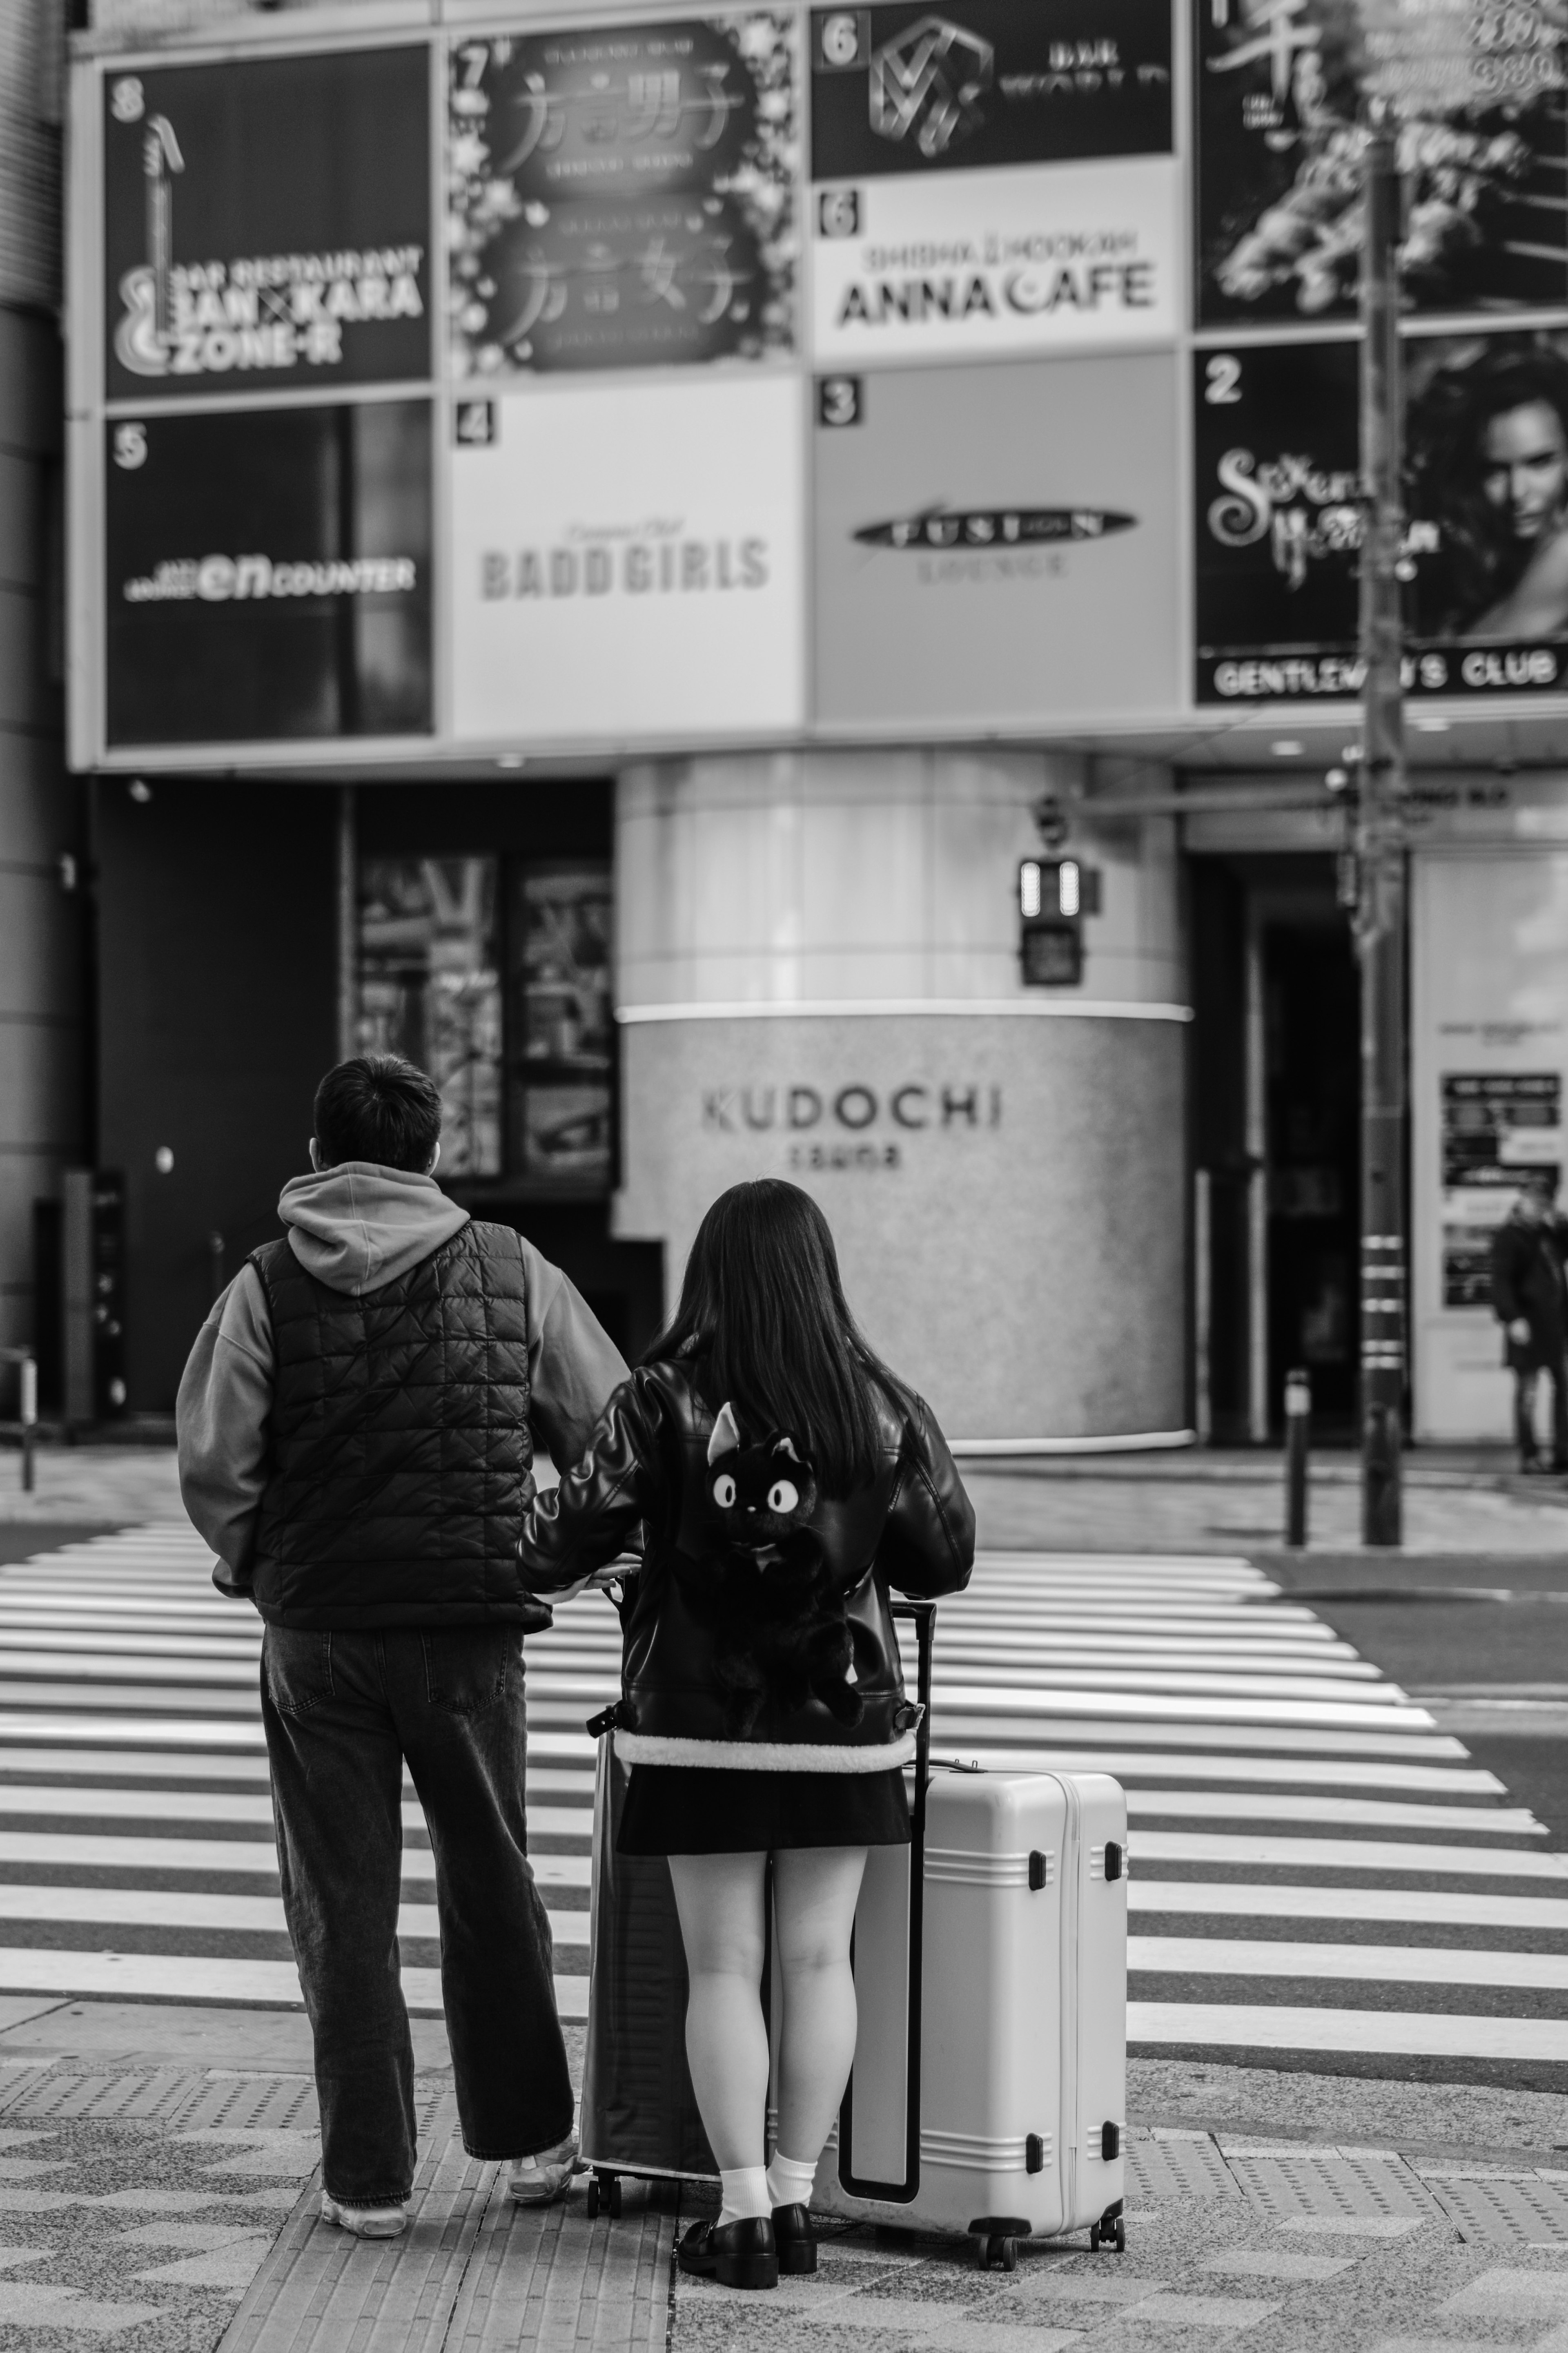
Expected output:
(1524, 1411)
(342, 1712)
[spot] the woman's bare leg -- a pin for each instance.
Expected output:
(816, 1892)
(719, 1900)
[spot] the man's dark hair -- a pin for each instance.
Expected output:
(378, 1107)
(763, 1315)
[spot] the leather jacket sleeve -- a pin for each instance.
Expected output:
(584, 1522)
(928, 1545)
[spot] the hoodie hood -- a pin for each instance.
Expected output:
(357, 1226)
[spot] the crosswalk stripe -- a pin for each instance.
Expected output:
(1381, 1964)
(1506, 1914)
(1346, 1854)
(1404, 2034)
(1264, 1756)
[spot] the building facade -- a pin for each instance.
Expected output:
(774, 591)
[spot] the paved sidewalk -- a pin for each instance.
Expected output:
(158, 2186)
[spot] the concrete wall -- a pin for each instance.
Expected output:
(818, 978)
(42, 1127)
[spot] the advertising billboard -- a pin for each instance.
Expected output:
(996, 546)
(627, 560)
(268, 574)
(266, 224)
(902, 88)
(1478, 92)
(1002, 184)
(1277, 527)
(623, 196)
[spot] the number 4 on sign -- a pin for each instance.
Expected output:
(475, 424)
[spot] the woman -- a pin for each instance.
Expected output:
(783, 1479)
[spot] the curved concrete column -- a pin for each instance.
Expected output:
(817, 974)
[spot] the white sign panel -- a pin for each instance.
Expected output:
(627, 561)
(1050, 257)
(1488, 1074)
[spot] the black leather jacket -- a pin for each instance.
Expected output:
(912, 1528)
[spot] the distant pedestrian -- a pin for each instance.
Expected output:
(784, 1480)
(355, 1444)
(1529, 1250)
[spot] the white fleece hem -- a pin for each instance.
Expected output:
(762, 1755)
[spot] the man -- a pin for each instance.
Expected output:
(1528, 1293)
(355, 1444)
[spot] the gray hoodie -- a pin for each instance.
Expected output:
(356, 1227)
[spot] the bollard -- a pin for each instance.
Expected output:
(1297, 1432)
(29, 1420)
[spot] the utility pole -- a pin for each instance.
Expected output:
(1380, 851)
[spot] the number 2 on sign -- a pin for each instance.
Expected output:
(1222, 387)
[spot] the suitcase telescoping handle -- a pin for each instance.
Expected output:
(922, 1615)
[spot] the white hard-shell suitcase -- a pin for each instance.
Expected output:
(988, 2094)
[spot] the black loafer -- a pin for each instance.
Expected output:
(737, 2254)
(794, 2238)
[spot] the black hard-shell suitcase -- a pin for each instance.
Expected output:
(639, 2112)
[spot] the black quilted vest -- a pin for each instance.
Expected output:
(401, 1461)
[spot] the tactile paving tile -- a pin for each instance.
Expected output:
(1328, 2181)
(132, 2097)
(1513, 2211)
(1181, 2164)
(254, 2103)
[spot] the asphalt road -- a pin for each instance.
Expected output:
(1458, 1631)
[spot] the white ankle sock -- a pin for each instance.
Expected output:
(790, 2181)
(745, 2188)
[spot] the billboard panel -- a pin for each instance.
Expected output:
(1006, 262)
(266, 224)
(627, 560)
(268, 574)
(901, 88)
(1479, 92)
(623, 196)
(996, 547)
(1278, 521)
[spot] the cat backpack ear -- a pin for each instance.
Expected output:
(726, 1438)
(785, 1444)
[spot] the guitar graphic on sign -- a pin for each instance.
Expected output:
(142, 337)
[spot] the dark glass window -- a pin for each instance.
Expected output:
(526, 1069)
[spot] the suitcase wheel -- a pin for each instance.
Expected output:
(999, 2250)
(1107, 2234)
(604, 2195)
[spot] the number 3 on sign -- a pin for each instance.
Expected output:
(840, 400)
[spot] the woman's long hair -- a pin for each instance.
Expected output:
(1478, 564)
(762, 1312)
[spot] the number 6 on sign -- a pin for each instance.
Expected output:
(838, 212)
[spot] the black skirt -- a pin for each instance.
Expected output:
(699, 1809)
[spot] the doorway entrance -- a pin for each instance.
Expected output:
(1277, 1134)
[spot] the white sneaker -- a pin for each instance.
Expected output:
(538, 2180)
(365, 2221)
